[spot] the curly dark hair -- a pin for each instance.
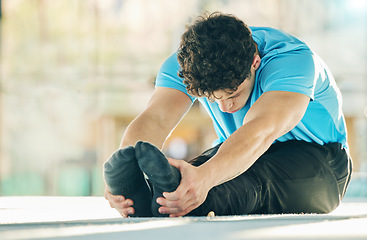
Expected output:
(215, 53)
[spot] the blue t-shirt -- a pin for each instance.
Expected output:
(287, 64)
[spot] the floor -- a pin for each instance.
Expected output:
(92, 218)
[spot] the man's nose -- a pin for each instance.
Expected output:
(225, 105)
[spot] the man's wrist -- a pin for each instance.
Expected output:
(207, 173)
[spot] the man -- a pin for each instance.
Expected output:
(282, 144)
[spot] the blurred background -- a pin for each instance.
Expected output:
(74, 73)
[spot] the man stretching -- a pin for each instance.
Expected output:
(282, 142)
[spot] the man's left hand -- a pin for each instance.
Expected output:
(190, 194)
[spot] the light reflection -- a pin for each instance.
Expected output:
(331, 229)
(357, 5)
(46, 233)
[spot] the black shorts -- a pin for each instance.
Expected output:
(290, 177)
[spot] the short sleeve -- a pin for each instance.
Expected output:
(291, 71)
(168, 76)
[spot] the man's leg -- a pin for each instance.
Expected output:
(124, 177)
(163, 177)
(291, 177)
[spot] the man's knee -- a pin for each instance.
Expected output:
(321, 196)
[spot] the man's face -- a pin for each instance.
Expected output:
(232, 102)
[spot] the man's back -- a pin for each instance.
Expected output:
(287, 64)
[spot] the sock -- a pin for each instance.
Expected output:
(124, 177)
(162, 175)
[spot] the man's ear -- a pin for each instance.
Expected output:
(256, 62)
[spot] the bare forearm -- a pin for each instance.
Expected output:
(266, 121)
(237, 154)
(163, 112)
(146, 129)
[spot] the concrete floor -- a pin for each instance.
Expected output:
(92, 218)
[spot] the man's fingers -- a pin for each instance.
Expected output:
(178, 212)
(106, 193)
(125, 208)
(110, 197)
(122, 205)
(179, 193)
(167, 203)
(118, 200)
(174, 207)
(127, 203)
(188, 208)
(176, 198)
(125, 212)
(183, 213)
(172, 196)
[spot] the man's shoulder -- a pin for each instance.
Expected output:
(261, 32)
(271, 41)
(171, 62)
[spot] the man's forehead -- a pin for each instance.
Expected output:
(223, 94)
(227, 94)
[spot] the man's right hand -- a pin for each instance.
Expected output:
(118, 202)
(153, 125)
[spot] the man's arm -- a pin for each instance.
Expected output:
(274, 114)
(164, 111)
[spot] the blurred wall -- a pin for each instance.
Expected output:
(74, 73)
